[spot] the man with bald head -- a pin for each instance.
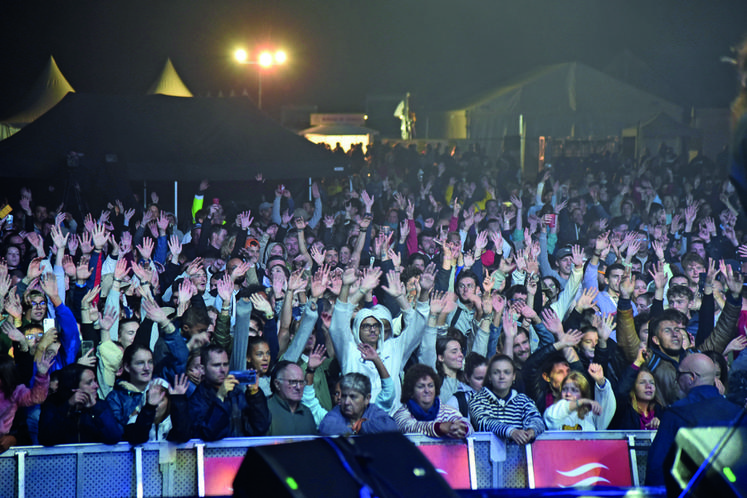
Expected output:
(701, 405)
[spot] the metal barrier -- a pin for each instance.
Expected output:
(162, 469)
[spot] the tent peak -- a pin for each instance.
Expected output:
(169, 83)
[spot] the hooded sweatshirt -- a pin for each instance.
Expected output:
(393, 351)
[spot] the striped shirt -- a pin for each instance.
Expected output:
(488, 412)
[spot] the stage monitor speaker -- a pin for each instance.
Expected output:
(388, 464)
(727, 475)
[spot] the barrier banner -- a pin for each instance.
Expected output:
(451, 461)
(564, 463)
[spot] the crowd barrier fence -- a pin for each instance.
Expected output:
(198, 468)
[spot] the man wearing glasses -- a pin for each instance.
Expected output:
(701, 406)
(290, 417)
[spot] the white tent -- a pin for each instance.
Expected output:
(345, 134)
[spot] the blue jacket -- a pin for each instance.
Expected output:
(376, 420)
(240, 414)
(62, 424)
(703, 406)
(124, 401)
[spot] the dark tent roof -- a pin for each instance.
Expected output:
(159, 137)
(49, 88)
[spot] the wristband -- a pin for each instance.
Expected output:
(310, 370)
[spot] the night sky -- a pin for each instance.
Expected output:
(342, 50)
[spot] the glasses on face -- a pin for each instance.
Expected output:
(368, 327)
(38, 304)
(293, 382)
(466, 285)
(680, 373)
(30, 337)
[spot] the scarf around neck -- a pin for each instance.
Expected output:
(423, 415)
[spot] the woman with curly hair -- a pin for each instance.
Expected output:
(423, 412)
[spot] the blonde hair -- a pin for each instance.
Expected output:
(583, 385)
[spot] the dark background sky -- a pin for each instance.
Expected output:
(341, 50)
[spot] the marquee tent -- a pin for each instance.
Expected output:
(47, 91)
(345, 134)
(159, 137)
(169, 83)
(561, 100)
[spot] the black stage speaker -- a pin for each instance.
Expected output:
(727, 473)
(382, 465)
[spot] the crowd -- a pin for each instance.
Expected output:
(436, 292)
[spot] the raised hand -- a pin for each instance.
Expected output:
(497, 239)
(72, 244)
(175, 248)
(155, 395)
(657, 273)
(394, 287)
(180, 386)
(109, 317)
(121, 269)
(87, 359)
(596, 372)
(368, 353)
(586, 300)
(368, 201)
(316, 357)
(194, 267)
(86, 243)
(606, 326)
(737, 344)
(128, 214)
(13, 305)
(240, 270)
(317, 256)
(734, 279)
(481, 242)
(143, 273)
(571, 338)
(300, 223)
(260, 303)
(43, 364)
(297, 282)
(58, 239)
(100, 237)
(578, 255)
(162, 223)
(319, 281)
(225, 288)
(627, 284)
(125, 244)
(154, 312)
(12, 332)
(88, 223)
(329, 221)
(438, 302)
(428, 277)
(49, 284)
(371, 278)
(552, 322)
(146, 248)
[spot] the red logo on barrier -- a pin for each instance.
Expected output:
(451, 461)
(581, 463)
